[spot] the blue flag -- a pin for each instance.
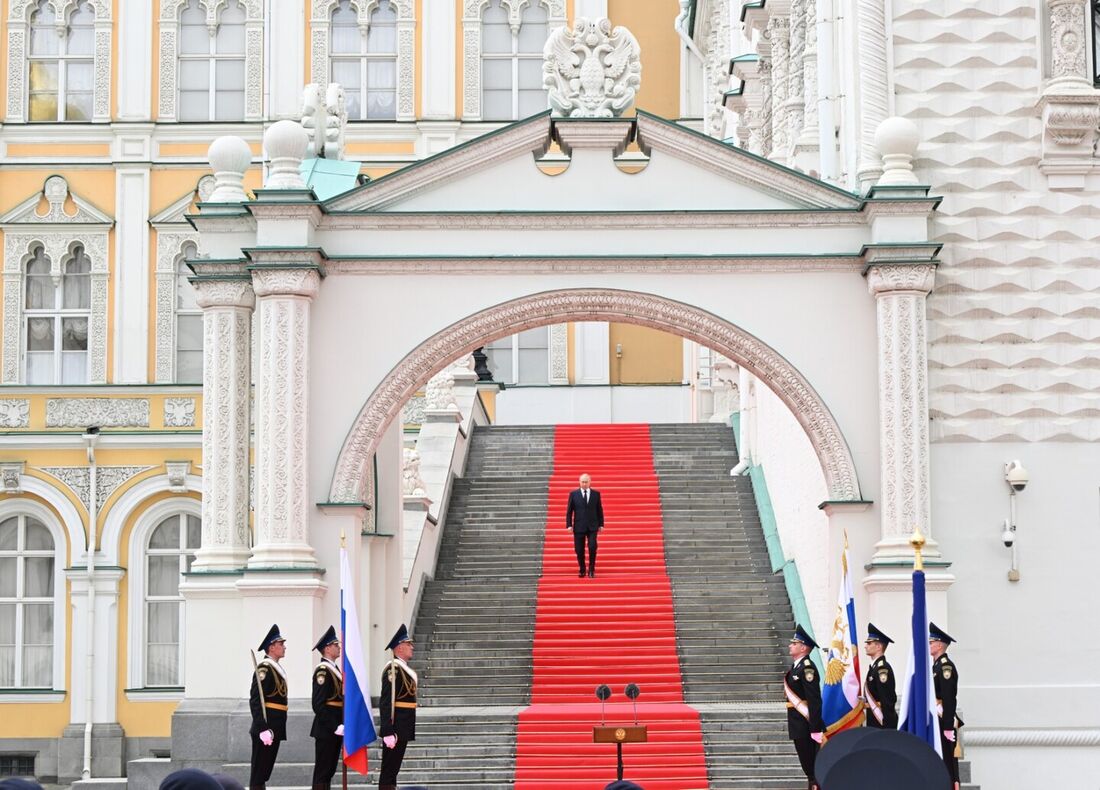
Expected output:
(359, 730)
(918, 701)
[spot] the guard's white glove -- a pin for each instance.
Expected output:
(340, 730)
(949, 735)
(267, 737)
(817, 737)
(390, 741)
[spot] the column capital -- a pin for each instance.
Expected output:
(900, 278)
(222, 284)
(286, 280)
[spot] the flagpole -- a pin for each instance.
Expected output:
(343, 752)
(917, 542)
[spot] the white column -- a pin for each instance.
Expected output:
(806, 147)
(282, 426)
(284, 28)
(795, 84)
(227, 343)
(873, 87)
(131, 335)
(778, 33)
(437, 83)
(900, 291)
(135, 57)
(106, 643)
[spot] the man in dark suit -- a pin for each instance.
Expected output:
(584, 517)
(802, 685)
(328, 711)
(946, 678)
(267, 701)
(397, 708)
(879, 688)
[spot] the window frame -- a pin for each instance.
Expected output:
(21, 506)
(63, 59)
(18, 60)
(321, 48)
(365, 57)
(212, 58)
(472, 45)
(137, 608)
(57, 314)
(514, 58)
(515, 357)
(184, 312)
(180, 553)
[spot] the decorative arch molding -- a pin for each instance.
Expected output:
(19, 18)
(110, 542)
(63, 538)
(72, 520)
(58, 232)
(471, 44)
(135, 567)
(351, 479)
(319, 37)
(170, 11)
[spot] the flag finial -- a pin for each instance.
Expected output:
(917, 542)
(343, 540)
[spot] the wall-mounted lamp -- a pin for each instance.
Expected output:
(1017, 478)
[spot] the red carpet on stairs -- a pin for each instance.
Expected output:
(616, 629)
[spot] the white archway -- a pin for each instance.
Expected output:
(432, 355)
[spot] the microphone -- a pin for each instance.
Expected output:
(632, 692)
(603, 691)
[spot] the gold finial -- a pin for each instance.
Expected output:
(343, 540)
(917, 542)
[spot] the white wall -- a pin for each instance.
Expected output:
(796, 486)
(553, 405)
(1025, 648)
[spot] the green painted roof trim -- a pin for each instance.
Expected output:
(747, 6)
(687, 257)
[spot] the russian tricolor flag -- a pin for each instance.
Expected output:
(841, 707)
(359, 730)
(918, 701)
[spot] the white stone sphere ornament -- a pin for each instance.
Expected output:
(286, 143)
(897, 140)
(229, 158)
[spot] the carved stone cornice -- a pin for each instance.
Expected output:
(280, 281)
(352, 474)
(580, 264)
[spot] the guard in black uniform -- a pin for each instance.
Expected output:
(328, 711)
(802, 685)
(879, 689)
(946, 678)
(267, 700)
(397, 708)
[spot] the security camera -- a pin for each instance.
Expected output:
(1008, 536)
(1016, 475)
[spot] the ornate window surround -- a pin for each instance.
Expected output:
(136, 573)
(57, 231)
(173, 232)
(21, 506)
(168, 103)
(19, 13)
(471, 44)
(319, 32)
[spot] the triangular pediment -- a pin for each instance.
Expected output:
(176, 213)
(675, 169)
(62, 208)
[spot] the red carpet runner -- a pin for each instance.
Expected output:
(616, 629)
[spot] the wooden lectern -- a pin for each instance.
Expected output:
(618, 735)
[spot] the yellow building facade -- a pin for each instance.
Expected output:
(109, 107)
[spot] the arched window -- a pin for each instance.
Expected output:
(61, 68)
(188, 321)
(170, 552)
(57, 319)
(212, 67)
(26, 603)
(511, 61)
(366, 65)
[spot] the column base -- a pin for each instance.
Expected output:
(283, 555)
(220, 559)
(294, 599)
(897, 553)
(890, 599)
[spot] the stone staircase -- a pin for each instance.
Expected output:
(733, 616)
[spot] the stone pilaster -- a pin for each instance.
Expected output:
(796, 106)
(284, 295)
(806, 147)
(900, 291)
(227, 300)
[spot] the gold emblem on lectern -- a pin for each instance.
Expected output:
(620, 733)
